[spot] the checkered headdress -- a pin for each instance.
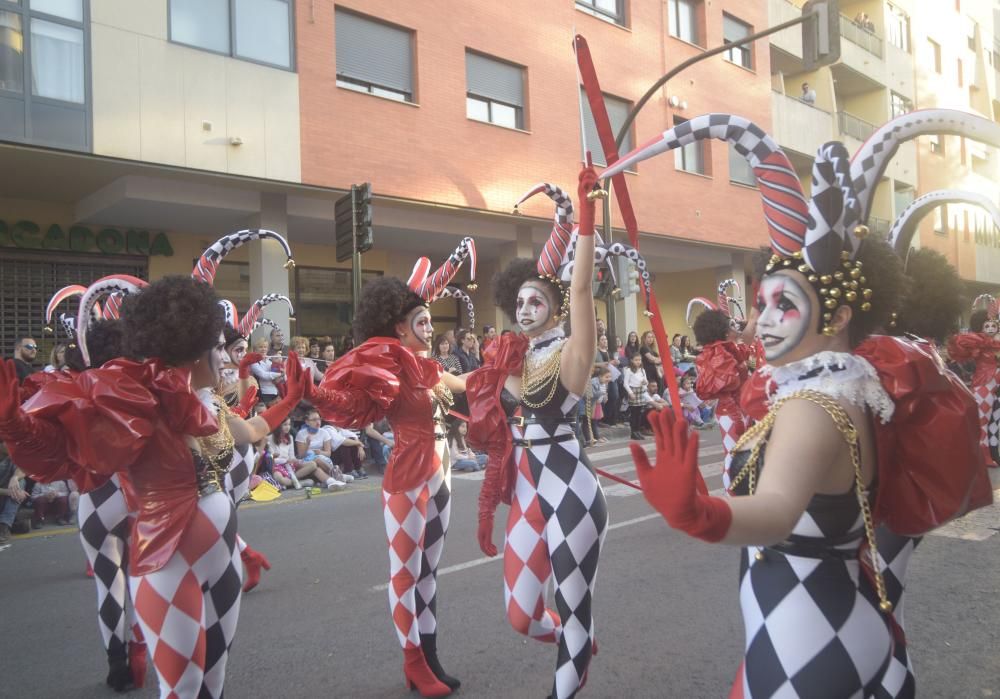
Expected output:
(68, 322)
(453, 292)
(701, 304)
(729, 301)
(905, 226)
(208, 264)
(245, 325)
(430, 287)
(116, 283)
(988, 303)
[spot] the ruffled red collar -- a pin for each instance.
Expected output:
(418, 372)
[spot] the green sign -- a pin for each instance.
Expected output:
(110, 241)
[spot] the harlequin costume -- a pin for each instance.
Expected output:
(817, 617)
(558, 513)
(382, 378)
(983, 348)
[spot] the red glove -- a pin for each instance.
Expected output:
(16, 426)
(675, 487)
(247, 402)
(485, 536)
(296, 380)
(248, 359)
(586, 206)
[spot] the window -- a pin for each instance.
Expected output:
(684, 20)
(322, 299)
(960, 74)
(609, 10)
(734, 30)
(936, 143)
(494, 91)
(254, 30)
(898, 28)
(970, 32)
(374, 57)
(740, 170)
(693, 156)
(935, 54)
(899, 104)
(941, 220)
(43, 64)
(618, 110)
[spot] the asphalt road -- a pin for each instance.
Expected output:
(318, 625)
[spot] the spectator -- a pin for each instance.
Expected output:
(691, 405)
(463, 458)
(11, 493)
(651, 362)
(443, 356)
(50, 499)
(57, 359)
(601, 326)
(489, 335)
(24, 357)
(326, 356)
(635, 381)
(277, 343)
(631, 346)
(467, 353)
(380, 442)
(600, 399)
(347, 452)
(656, 401)
(808, 94)
(314, 349)
(608, 359)
(312, 443)
(301, 346)
(687, 355)
(268, 376)
(290, 470)
(450, 334)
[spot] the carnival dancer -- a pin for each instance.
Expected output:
(388, 374)
(818, 622)
(982, 346)
(722, 365)
(144, 418)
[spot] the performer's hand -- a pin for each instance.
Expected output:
(296, 378)
(247, 402)
(248, 359)
(485, 536)
(674, 487)
(586, 205)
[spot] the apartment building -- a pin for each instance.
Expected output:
(135, 132)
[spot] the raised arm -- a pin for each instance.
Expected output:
(578, 352)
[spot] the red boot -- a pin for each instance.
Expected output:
(254, 561)
(90, 570)
(137, 662)
(419, 676)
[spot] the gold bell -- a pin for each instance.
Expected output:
(826, 279)
(830, 304)
(648, 314)
(827, 316)
(867, 293)
(835, 292)
(289, 264)
(48, 329)
(829, 330)
(851, 296)
(803, 268)
(861, 231)
(839, 276)
(866, 306)
(759, 556)
(516, 211)
(471, 286)
(855, 273)
(813, 279)
(597, 193)
(885, 605)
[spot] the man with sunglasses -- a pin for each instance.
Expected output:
(24, 358)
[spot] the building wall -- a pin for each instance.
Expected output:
(151, 97)
(430, 151)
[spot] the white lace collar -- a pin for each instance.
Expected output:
(545, 345)
(206, 395)
(839, 375)
(556, 333)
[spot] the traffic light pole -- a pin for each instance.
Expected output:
(355, 257)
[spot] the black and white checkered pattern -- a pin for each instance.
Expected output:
(438, 518)
(870, 162)
(208, 264)
(237, 480)
(564, 216)
(901, 234)
(104, 533)
(248, 322)
(833, 209)
(993, 428)
(894, 552)
(451, 292)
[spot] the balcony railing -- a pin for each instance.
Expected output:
(860, 36)
(854, 127)
(879, 227)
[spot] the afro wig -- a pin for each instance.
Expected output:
(507, 284)
(105, 341)
(711, 326)
(933, 304)
(384, 302)
(176, 319)
(232, 335)
(978, 319)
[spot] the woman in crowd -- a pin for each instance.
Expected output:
(811, 590)
(302, 347)
(389, 375)
(443, 356)
(463, 458)
(57, 358)
(289, 469)
(327, 355)
(651, 362)
(631, 345)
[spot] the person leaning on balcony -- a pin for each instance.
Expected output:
(808, 94)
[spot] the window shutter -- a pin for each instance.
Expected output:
(732, 29)
(374, 53)
(495, 80)
(617, 113)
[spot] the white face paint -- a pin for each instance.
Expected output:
(991, 327)
(237, 351)
(218, 359)
(417, 331)
(785, 315)
(534, 309)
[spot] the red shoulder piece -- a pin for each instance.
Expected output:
(33, 383)
(720, 370)
(977, 347)
(754, 396)
(931, 467)
(488, 430)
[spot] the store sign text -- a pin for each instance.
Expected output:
(110, 241)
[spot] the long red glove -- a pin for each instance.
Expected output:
(485, 535)
(247, 402)
(15, 425)
(296, 382)
(248, 359)
(586, 206)
(675, 486)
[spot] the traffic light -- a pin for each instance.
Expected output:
(820, 33)
(344, 227)
(363, 234)
(628, 276)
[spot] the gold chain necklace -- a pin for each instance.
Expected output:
(535, 377)
(217, 449)
(842, 420)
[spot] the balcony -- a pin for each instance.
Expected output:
(854, 127)
(860, 36)
(788, 40)
(799, 126)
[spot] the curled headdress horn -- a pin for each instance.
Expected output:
(872, 158)
(603, 254)
(833, 209)
(113, 307)
(430, 288)
(905, 226)
(64, 293)
(988, 303)
(68, 324)
(729, 301)
(208, 264)
(229, 313)
(456, 293)
(694, 304)
(785, 208)
(558, 243)
(265, 321)
(115, 283)
(246, 324)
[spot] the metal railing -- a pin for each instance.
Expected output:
(879, 226)
(864, 38)
(854, 127)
